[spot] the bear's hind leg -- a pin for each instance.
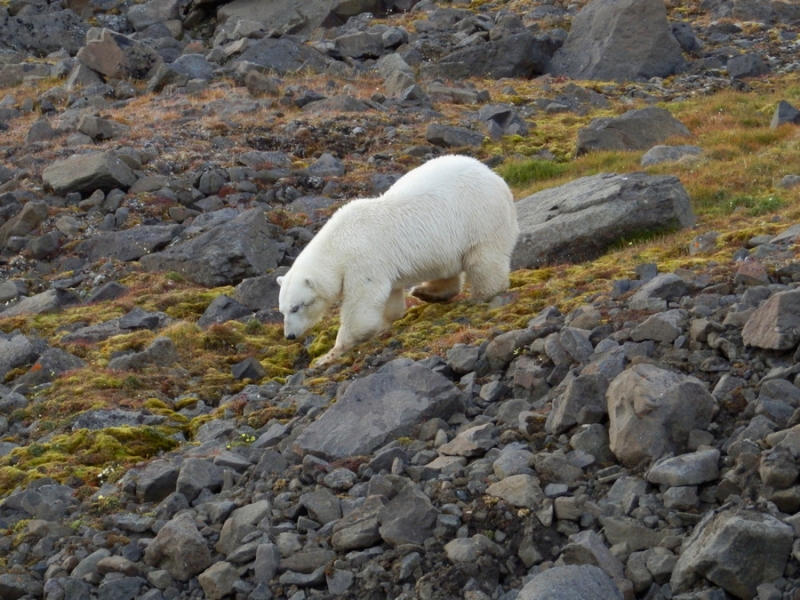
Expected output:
(487, 274)
(395, 306)
(438, 290)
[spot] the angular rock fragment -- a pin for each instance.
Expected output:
(652, 411)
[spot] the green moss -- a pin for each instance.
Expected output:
(83, 453)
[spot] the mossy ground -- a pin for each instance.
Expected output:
(733, 186)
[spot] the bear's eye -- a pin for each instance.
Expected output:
(295, 308)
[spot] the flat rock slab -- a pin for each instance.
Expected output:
(638, 129)
(377, 408)
(579, 220)
(87, 173)
(129, 244)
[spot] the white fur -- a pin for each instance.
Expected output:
(448, 216)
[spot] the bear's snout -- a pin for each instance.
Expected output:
(290, 336)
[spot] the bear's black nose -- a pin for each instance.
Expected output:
(290, 336)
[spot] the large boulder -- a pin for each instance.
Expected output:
(285, 16)
(118, 56)
(737, 550)
(638, 129)
(619, 40)
(378, 408)
(518, 55)
(245, 246)
(41, 34)
(283, 55)
(580, 220)
(652, 411)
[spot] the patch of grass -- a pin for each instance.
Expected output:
(524, 172)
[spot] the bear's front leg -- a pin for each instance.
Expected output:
(360, 320)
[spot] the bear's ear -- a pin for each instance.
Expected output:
(310, 282)
(280, 280)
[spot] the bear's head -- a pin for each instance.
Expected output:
(300, 303)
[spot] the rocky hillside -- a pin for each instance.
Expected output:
(624, 422)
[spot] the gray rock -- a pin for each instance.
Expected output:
(361, 44)
(223, 309)
(784, 113)
(593, 439)
(245, 246)
(117, 56)
(130, 244)
(588, 548)
(576, 393)
(449, 136)
(619, 40)
(307, 561)
(746, 65)
(580, 220)
(87, 173)
(100, 129)
(652, 411)
(586, 582)
(196, 475)
(15, 585)
(326, 165)
(27, 220)
(49, 301)
(340, 103)
(193, 66)
(637, 129)
(660, 154)
(322, 505)
(52, 363)
(241, 523)
(377, 408)
(156, 481)
(502, 119)
(667, 287)
(43, 33)
(661, 327)
(261, 292)
(284, 16)
(266, 564)
(474, 441)
(626, 530)
(179, 549)
(775, 324)
(89, 564)
(517, 55)
(736, 549)
(42, 500)
(124, 588)
(518, 490)
(360, 528)
(687, 469)
(142, 16)
(218, 580)
(409, 518)
(469, 550)
(161, 351)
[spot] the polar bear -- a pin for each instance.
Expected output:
(452, 215)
